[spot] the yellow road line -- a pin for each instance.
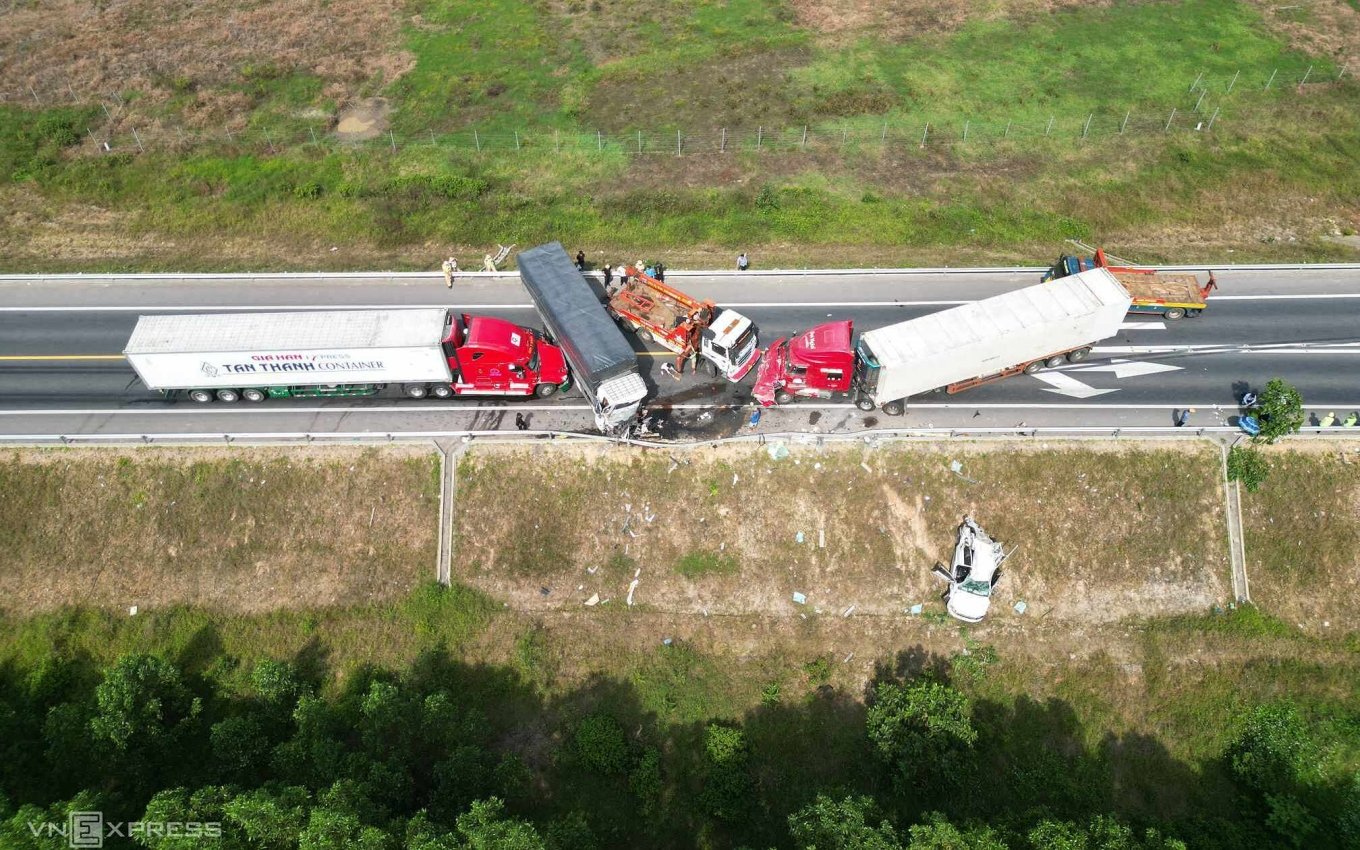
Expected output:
(48, 357)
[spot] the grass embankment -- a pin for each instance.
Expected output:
(245, 530)
(1100, 533)
(1273, 178)
(1302, 536)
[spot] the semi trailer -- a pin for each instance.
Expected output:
(1171, 295)
(1042, 326)
(426, 352)
(684, 325)
(604, 364)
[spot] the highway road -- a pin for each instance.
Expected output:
(61, 371)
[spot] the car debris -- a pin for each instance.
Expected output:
(973, 574)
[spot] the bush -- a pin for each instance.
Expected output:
(1248, 466)
(921, 730)
(601, 743)
(1280, 411)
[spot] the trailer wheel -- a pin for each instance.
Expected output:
(782, 397)
(1079, 355)
(254, 395)
(200, 396)
(894, 408)
(1055, 361)
(442, 391)
(228, 396)
(864, 403)
(415, 390)
(1192, 313)
(645, 335)
(545, 390)
(1174, 313)
(1031, 368)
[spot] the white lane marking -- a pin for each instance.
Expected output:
(1143, 326)
(733, 304)
(1127, 368)
(1064, 384)
(1272, 348)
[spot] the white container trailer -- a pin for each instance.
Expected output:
(1044, 325)
(337, 353)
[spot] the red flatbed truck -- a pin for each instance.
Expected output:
(1171, 295)
(683, 324)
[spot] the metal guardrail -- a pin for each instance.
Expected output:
(795, 437)
(255, 277)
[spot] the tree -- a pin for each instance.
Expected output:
(1279, 410)
(270, 817)
(485, 827)
(825, 824)
(727, 784)
(1274, 751)
(239, 745)
(922, 730)
(200, 815)
(937, 833)
(143, 713)
(602, 744)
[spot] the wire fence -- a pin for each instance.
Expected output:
(1201, 110)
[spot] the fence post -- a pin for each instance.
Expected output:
(391, 138)
(1306, 75)
(677, 142)
(1126, 122)
(760, 135)
(139, 140)
(1272, 79)
(925, 134)
(1233, 81)
(1195, 84)
(1211, 120)
(1087, 128)
(722, 146)
(1201, 100)
(804, 143)
(517, 140)
(1169, 119)
(1049, 128)
(477, 139)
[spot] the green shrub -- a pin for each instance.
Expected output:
(600, 742)
(1248, 466)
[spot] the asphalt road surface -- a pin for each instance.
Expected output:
(61, 371)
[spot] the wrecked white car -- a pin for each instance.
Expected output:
(974, 573)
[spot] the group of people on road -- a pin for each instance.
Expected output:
(656, 270)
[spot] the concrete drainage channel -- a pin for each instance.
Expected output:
(452, 444)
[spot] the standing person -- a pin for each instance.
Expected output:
(488, 263)
(1183, 418)
(743, 263)
(661, 272)
(450, 269)
(608, 276)
(581, 261)
(521, 423)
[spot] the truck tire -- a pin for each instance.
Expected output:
(201, 396)
(254, 395)
(1174, 313)
(864, 403)
(782, 397)
(1031, 368)
(1079, 355)
(415, 390)
(545, 390)
(441, 391)
(1055, 361)
(894, 408)
(645, 335)
(228, 396)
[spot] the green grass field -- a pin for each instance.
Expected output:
(1274, 177)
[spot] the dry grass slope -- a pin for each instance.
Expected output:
(242, 530)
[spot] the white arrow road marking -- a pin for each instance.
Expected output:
(1064, 384)
(1127, 368)
(1143, 326)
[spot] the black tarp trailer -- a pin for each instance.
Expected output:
(605, 365)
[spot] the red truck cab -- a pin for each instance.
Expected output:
(817, 363)
(489, 356)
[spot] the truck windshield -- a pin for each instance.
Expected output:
(746, 336)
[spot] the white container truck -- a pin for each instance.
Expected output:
(1022, 331)
(1029, 329)
(254, 356)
